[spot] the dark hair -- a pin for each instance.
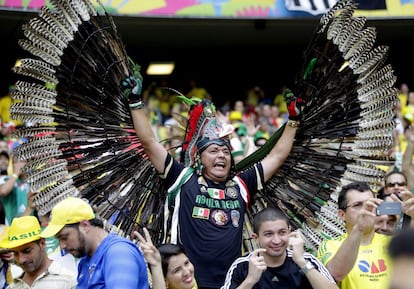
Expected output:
(94, 222)
(3, 171)
(357, 186)
(394, 173)
(97, 223)
(166, 252)
(268, 214)
(380, 193)
(5, 153)
(402, 244)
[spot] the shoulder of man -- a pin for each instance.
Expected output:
(242, 259)
(57, 268)
(117, 243)
(328, 247)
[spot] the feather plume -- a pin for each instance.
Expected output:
(347, 123)
(82, 142)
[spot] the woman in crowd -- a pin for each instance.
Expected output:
(169, 261)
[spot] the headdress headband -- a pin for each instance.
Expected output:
(202, 130)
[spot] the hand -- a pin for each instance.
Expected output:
(252, 128)
(132, 87)
(18, 166)
(257, 266)
(151, 253)
(407, 203)
(222, 117)
(30, 200)
(367, 215)
(294, 104)
(296, 244)
(410, 133)
(30, 203)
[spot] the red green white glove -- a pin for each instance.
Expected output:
(294, 104)
(132, 87)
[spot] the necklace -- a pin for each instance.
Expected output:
(230, 187)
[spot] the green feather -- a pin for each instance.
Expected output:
(309, 68)
(259, 154)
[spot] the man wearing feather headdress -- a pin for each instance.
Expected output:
(209, 199)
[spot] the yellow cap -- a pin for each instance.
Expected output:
(235, 115)
(23, 230)
(69, 211)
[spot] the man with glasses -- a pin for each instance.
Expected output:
(357, 259)
(396, 184)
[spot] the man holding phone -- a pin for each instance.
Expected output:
(357, 259)
(388, 215)
(395, 183)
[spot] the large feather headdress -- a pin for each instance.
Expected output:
(82, 141)
(203, 129)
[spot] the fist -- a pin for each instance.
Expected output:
(294, 104)
(133, 83)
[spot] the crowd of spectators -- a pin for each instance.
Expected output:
(255, 116)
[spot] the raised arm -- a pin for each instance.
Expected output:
(277, 156)
(257, 266)
(7, 187)
(360, 234)
(153, 148)
(153, 258)
(407, 163)
(316, 278)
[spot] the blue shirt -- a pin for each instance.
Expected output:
(117, 263)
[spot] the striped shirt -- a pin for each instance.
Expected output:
(286, 276)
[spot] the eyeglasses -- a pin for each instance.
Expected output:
(400, 184)
(356, 205)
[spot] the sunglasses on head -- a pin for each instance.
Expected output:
(400, 184)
